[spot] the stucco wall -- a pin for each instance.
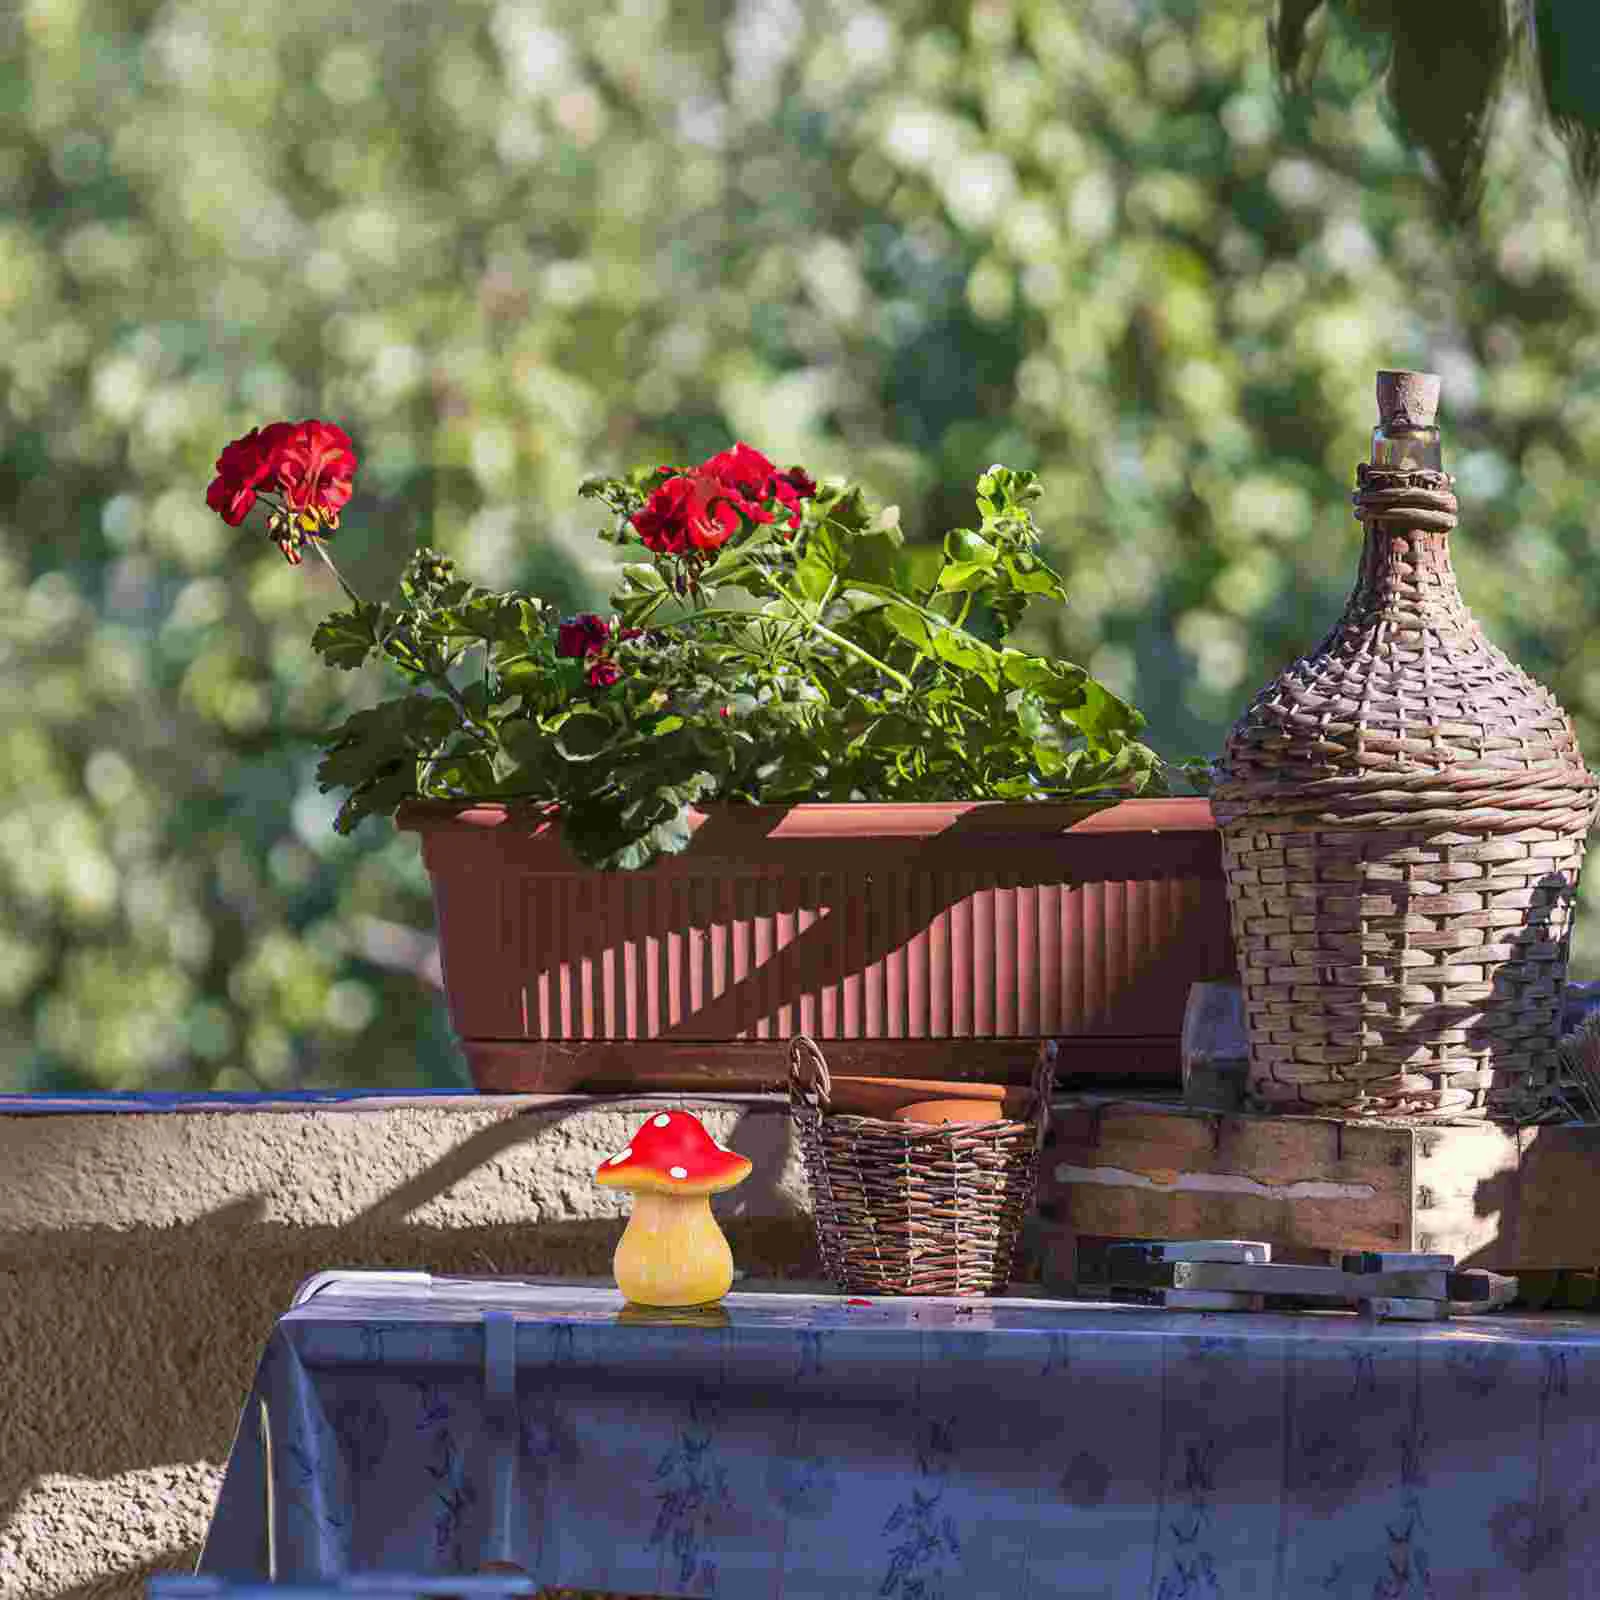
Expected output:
(143, 1259)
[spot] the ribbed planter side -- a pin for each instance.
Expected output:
(900, 928)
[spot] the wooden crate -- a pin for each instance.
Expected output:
(1495, 1197)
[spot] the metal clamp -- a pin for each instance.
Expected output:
(500, 1413)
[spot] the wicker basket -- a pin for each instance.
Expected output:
(1403, 817)
(910, 1208)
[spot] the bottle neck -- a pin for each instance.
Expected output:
(1406, 449)
(1406, 575)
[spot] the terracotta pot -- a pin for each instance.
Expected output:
(858, 1096)
(935, 1112)
(936, 941)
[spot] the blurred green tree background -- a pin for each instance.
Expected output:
(510, 244)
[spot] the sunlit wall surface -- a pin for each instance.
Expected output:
(507, 245)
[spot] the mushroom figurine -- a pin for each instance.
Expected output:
(672, 1252)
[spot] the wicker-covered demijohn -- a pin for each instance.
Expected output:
(911, 1208)
(1403, 816)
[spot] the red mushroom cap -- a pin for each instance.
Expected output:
(673, 1154)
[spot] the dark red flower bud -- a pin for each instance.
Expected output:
(585, 635)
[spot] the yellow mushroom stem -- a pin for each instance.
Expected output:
(672, 1253)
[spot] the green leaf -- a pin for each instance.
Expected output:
(1058, 682)
(669, 837)
(1101, 715)
(874, 557)
(464, 775)
(823, 559)
(1015, 789)
(510, 774)
(1567, 47)
(966, 546)
(485, 616)
(1031, 576)
(375, 796)
(1296, 36)
(585, 735)
(523, 677)
(965, 575)
(815, 574)
(347, 638)
(1444, 85)
(374, 754)
(846, 506)
(961, 649)
(912, 623)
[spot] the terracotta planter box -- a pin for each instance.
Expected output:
(926, 941)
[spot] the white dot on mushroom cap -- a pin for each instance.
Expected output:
(663, 1120)
(622, 1156)
(678, 1172)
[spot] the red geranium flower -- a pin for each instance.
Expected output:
(585, 635)
(791, 488)
(603, 674)
(316, 470)
(743, 469)
(688, 513)
(756, 481)
(311, 464)
(246, 466)
(701, 509)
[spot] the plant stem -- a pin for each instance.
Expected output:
(316, 544)
(439, 677)
(849, 646)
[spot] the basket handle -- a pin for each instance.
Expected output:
(809, 1082)
(1044, 1078)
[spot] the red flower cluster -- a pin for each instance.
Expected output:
(310, 464)
(585, 639)
(699, 511)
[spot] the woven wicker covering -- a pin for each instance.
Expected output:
(1403, 816)
(908, 1208)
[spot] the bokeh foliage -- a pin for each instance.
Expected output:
(508, 245)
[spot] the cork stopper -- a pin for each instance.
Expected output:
(1407, 400)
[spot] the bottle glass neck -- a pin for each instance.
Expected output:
(1406, 450)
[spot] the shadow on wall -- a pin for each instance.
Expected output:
(127, 1353)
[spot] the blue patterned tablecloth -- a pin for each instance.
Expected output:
(915, 1449)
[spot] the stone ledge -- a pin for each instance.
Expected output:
(461, 1162)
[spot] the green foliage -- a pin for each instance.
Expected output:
(802, 664)
(511, 247)
(1448, 62)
